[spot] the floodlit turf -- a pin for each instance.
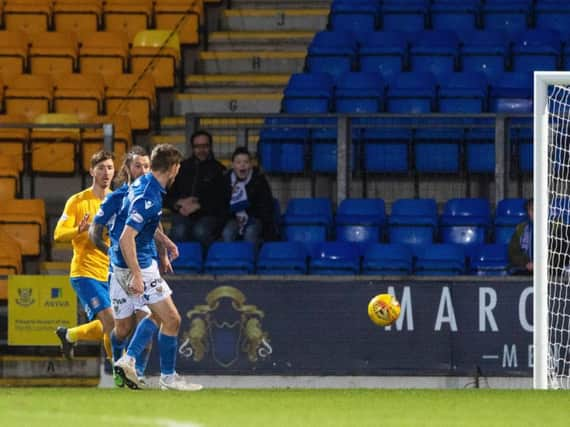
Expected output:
(62, 407)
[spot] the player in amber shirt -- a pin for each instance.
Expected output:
(89, 266)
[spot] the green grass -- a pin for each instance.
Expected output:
(62, 407)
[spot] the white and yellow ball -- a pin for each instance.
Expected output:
(383, 309)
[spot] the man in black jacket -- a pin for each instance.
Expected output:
(248, 202)
(195, 196)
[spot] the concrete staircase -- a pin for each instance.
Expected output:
(248, 63)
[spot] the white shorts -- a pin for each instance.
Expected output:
(125, 304)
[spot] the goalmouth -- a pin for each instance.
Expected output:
(551, 230)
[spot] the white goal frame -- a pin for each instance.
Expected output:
(542, 79)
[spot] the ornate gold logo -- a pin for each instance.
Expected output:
(25, 297)
(226, 327)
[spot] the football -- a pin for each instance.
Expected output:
(383, 309)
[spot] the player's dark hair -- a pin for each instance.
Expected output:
(241, 150)
(101, 156)
(163, 157)
(124, 174)
(201, 132)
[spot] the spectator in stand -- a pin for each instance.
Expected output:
(248, 202)
(194, 198)
(520, 247)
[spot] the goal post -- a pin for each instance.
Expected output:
(551, 131)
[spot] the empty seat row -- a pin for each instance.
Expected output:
(128, 16)
(106, 53)
(24, 222)
(391, 52)
(413, 15)
(84, 95)
(413, 222)
(341, 258)
(57, 151)
(392, 146)
(413, 92)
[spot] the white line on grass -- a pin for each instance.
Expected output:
(108, 419)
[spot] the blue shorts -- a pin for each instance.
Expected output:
(93, 295)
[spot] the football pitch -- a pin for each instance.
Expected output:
(83, 407)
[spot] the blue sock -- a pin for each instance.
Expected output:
(142, 361)
(168, 346)
(118, 346)
(140, 339)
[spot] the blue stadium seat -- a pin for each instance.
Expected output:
(387, 259)
(463, 92)
(480, 150)
(360, 220)
(282, 149)
(354, 15)
(511, 93)
(536, 50)
(509, 213)
(230, 258)
(434, 52)
(454, 15)
(465, 221)
(437, 150)
(360, 93)
(282, 258)
(332, 52)
(324, 146)
(553, 15)
(190, 259)
(335, 258)
(308, 93)
(490, 260)
(307, 220)
(411, 15)
(413, 222)
(412, 93)
(566, 55)
(440, 259)
(484, 51)
(511, 16)
(385, 52)
(386, 149)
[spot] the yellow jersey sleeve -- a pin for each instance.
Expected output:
(66, 227)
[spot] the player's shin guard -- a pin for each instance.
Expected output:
(92, 331)
(142, 336)
(168, 346)
(118, 346)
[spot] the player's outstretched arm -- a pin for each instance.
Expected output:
(96, 236)
(129, 251)
(161, 239)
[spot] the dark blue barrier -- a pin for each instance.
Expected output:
(319, 326)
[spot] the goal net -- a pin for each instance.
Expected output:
(552, 233)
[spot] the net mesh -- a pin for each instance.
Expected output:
(558, 358)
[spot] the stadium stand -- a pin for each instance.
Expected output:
(282, 258)
(335, 258)
(190, 259)
(509, 213)
(230, 258)
(391, 259)
(490, 260)
(360, 220)
(161, 48)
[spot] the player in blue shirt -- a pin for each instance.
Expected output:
(137, 272)
(136, 163)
